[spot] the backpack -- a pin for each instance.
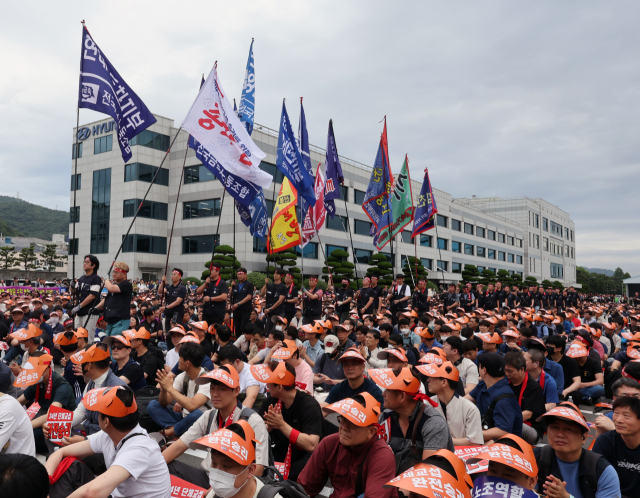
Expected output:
(487, 420)
(410, 455)
(594, 462)
(143, 397)
(286, 489)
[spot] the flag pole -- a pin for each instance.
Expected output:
(439, 250)
(353, 251)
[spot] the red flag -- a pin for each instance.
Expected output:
(317, 213)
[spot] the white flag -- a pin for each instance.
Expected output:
(212, 122)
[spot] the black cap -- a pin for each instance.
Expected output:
(493, 362)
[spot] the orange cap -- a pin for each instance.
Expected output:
(231, 444)
(177, 330)
(65, 338)
(362, 416)
(82, 332)
(491, 339)
(286, 351)
(633, 352)
(94, 353)
(282, 320)
(228, 375)
(523, 461)
(351, 354)
(565, 411)
(425, 479)
(200, 325)
(434, 355)
(189, 338)
(404, 381)
(511, 333)
(105, 401)
(116, 338)
(141, 333)
(280, 375)
(33, 370)
(397, 352)
(577, 350)
(444, 371)
(29, 332)
(423, 332)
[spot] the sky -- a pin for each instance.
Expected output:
(495, 98)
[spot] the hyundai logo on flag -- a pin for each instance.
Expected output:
(83, 133)
(90, 92)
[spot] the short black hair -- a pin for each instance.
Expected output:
(229, 353)
(69, 348)
(516, 360)
(397, 338)
(456, 343)
(258, 331)
(281, 272)
(628, 402)
(241, 269)
(128, 422)
(223, 332)
(94, 261)
(470, 345)
(626, 382)
(36, 314)
(278, 335)
(374, 333)
(526, 332)
(190, 351)
(23, 475)
(558, 341)
(403, 321)
(466, 332)
(292, 331)
(386, 327)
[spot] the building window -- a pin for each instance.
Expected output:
(537, 241)
(358, 197)
(456, 268)
(337, 223)
(491, 235)
(556, 270)
(480, 232)
(571, 235)
(456, 225)
(363, 256)
(455, 246)
(556, 229)
(468, 249)
(442, 243)
(468, 228)
(344, 193)
(480, 269)
(277, 175)
(102, 144)
(145, 243)
(572, 254)
(362, 227)
(201, 209)
(425, 240)
(510, 258)
(518, 242)
(310, 250)
(260, 245)
(388, 256)
(406, 237)
(73, 247)
(480, 252)
(442, 221)
(566, 252)
(77, 147)
(491, 253)
(152, 140)
(76, 182)
(443, 265)
(566, 233)
(145, 173)
(519, 260)
(74, 215)
(545, 224)
(492, 270)
(545, 243)
(427, 263)
(331, 248)
(501, 238)
(510, 240)
(537, 221)
(100, 211)
(501, 256)
(200, 244)
(150, 209)
(197, 174)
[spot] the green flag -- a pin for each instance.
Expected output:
(401, 205)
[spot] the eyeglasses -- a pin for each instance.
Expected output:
(118, 347)
(346, 423)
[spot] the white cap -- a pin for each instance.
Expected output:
(331, 343)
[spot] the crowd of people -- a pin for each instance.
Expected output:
(291, 391)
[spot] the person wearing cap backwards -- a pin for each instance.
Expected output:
(86, 292)
(224, 384)
(214, 291)
(117, 301)
(44, 387)
(68, 344)
(399, 296)
(312, 301)
(565, 468)
(414, 430)
(461, 415)
(493, 396)
(135, 467)
(344, 297)
(274, 294)
(293, 417)
(241, 296)
(356, 460)
(174, 295)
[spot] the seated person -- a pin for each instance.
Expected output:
(461, 415)
(327, 371)
(591, 377)
(288, 351)
(145, 354)
(189, 397)
(16, 433)
(68, 344)
(551, 368)
(28, 341)
(471, 349)
(190, 336)
(123, 365)
(271, 344)
(293, 417)
(624, 386)
(224, 386)
(175, 336)
(23, 475)
(252, 392)
(564, 466)
(355, 450)
(396, 341)
(353, 364)
(454, 349)
(46, 388)
(535, 361)
(135, 467)
(407, 422)
(370, 350)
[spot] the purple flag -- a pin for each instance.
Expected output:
(333, 173)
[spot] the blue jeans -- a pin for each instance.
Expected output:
(592, 392)
(118, 327)
(12, 353)
(165, 417)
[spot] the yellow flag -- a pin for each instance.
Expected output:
(285, 232)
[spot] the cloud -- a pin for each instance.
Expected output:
(502, 98)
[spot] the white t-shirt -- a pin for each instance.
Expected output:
(247, 380)
(141, 457)
(304, 377)
(15, 428)
(172, 358)
(259, 485)
(193, 389)
(468, 372)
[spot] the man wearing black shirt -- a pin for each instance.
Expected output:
(344, 296)
(451, 299)
(376, 292)
(591, 377)
(117, 301)
(215, 292)
(490, 298)
(467, 298)
(572, 380)
(275, 294)
(86, 292)
(175, 295)
(513, 298)
(153, 325)
(501, 295)
(241, 296)
(291, 298)
(365, 299)
(312, 301)
(146, 356)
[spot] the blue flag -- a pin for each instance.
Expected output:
(289, 160)
(332, 172)
(426, 209)
(376, 200)
(255, 216)
(248, 100)
(303, 136)
(103, 90)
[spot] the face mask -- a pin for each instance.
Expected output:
(279, 327)
(344, 286)
(54, 320)
(405, 331)
(222, 483)
(551, 350)
(23, 347)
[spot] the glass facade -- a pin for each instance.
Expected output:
(102, 144)
(480, 232)
(556, 270)
(74, 215)
(77, 147)
(456, 268)
(406, 237)
(100, 211)
(145, 243)
(145, 173)
(73, 247)
(197, 174)
(442, 220)
(336, 223)
(361, 227)
(480, 252)
(150, 209)
(199, 244)
(456, 246)
(201, 209)
(425, 240)
(152, 140)
(491, 253)
(491, 235)
(310, 251)
(363, 256)
(76, 182)
(468, 249)
(468, 228)
(442, 244)
(455, 225)
(443, 265)
(358, 197)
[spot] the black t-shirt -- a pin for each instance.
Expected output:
(61, 392)
(589, 370)
(173, 293)
(532, 400)
(149, 364)
(153, 327)
(133, 372)
(303, 415)
(342, 295)
(214, 289)
(570, 368)
(626, 461)
(240, 291)
(363, 299)
(274, 291)
(118, 304)
(87, 285)
(4, 330)
(291, 293)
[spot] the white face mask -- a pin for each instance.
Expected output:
(405, 331)
(279, 327)
(223, 483)
(23, 346)
(54, 320)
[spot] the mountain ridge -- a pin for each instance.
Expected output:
(20, 218)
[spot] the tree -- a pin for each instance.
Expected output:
(50, 257)
(282, 260)
(557, 285)
(338, 266)
(516, 278)
(546, 283)
(224, 256)
(505, 278)
(529, 281)
(257, 279)
(409, 269)
(470, 274)
(27, 257)
(488, 277)
(7, 257)
(381, 268)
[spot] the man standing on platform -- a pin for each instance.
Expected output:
(275, 293)
(312, 301)
(117, 302)
(344, 296)
(215, 292)
(399, 296)
(175, 296)
(87, 289)
(421, 298)
(291, 298)
(241, 297)
(365, 299)
(376, 292)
